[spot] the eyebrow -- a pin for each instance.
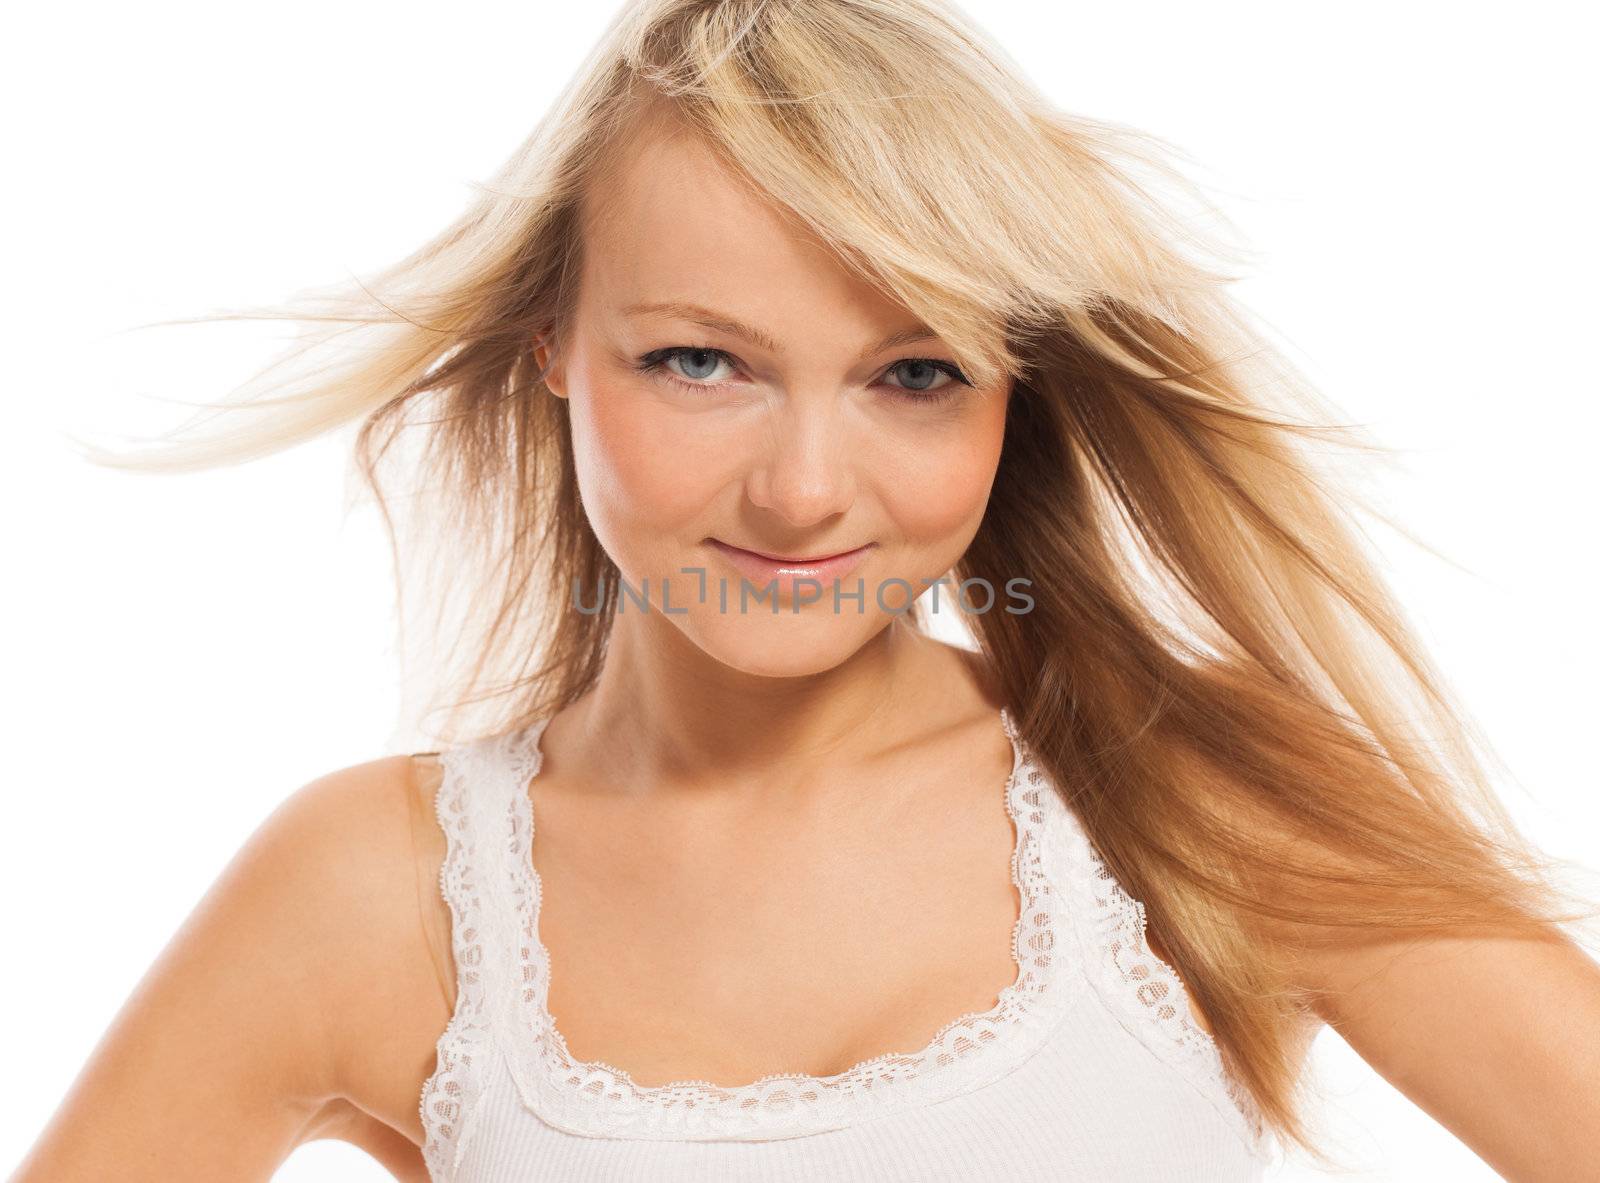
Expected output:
(727, 324)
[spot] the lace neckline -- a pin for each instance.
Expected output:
(593, 1097)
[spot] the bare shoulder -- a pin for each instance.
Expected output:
(389, 985)
(393, 987)
(391, 981)
(285, 992)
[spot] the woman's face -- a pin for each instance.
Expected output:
(732, 385)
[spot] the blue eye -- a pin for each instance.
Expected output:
(920, 378)
(691, 360)
(932, 369)
(693, 365)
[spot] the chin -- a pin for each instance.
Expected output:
(786, 645)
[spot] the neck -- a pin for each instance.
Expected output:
(667, 715)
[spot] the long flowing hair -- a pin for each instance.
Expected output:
(1213, 670)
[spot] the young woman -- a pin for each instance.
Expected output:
(727, 868)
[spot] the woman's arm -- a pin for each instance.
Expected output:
(1497, 1039)
(232, 1049)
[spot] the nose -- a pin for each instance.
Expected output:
(803, 469)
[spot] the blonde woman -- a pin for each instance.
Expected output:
(789, 313)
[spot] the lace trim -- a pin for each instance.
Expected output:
(464, 1048)
(1055, 866)
(1148, 994)
(598, 1098)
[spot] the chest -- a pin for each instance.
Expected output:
(727, 944)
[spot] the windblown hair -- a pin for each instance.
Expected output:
(1213, 670)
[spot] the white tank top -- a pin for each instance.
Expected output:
(1088, 1067)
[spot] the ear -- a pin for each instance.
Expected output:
(555, 377)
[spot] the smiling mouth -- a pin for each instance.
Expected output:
(794, 560)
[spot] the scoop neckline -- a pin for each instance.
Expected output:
(596, 1097)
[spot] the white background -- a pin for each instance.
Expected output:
(181, 652)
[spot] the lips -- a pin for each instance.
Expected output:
(796, 560)
(762, 568)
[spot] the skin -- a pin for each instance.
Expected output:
(303, 997)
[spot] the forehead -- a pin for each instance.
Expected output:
(672, 220)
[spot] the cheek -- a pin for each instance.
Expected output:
(938, 489)
(641, 473)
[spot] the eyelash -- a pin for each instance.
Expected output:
(655, 360)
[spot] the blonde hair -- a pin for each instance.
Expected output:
(1213, 669)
